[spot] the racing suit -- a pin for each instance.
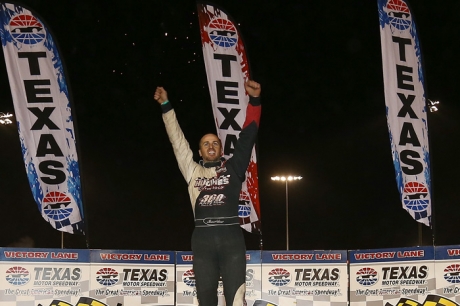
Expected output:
(217, 241)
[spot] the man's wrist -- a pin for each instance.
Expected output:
(166, 106)
(255, 101)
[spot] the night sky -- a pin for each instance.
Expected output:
(323, 117)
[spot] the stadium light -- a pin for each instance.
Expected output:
(287, 179)
(432, 105)
(4, 118)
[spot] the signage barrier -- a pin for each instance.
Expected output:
(417, 276)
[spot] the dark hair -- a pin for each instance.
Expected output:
(199, 142)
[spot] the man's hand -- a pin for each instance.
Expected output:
(160, 95)
(252, 88)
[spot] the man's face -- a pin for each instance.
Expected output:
(210, 148)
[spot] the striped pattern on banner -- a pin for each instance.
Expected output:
(87, 301)
(406, 109)
(44, 116)
(227, 69)
(436, 300)
(431, 300)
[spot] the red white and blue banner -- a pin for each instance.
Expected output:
(122, 277)
(44, 117)
(415, 276)
(406, 109)
(304, 278)
(44, 277)
(227, 70)
(186, 287)
(390, 277)
(185, 278)
(447, 267)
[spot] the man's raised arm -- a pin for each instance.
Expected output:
(181, 147)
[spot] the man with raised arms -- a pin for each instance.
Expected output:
(214, 187)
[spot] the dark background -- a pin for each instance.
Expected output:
(323, 117)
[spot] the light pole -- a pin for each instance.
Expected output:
(432, 105)
(4, 118)
(287, 179)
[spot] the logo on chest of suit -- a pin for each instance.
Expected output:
(213, 183)
(222, 169)
(212, 200)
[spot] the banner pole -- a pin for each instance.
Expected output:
(420, 239)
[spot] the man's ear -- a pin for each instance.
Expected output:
(199, 151)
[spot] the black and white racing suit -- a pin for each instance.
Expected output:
(217, 242)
